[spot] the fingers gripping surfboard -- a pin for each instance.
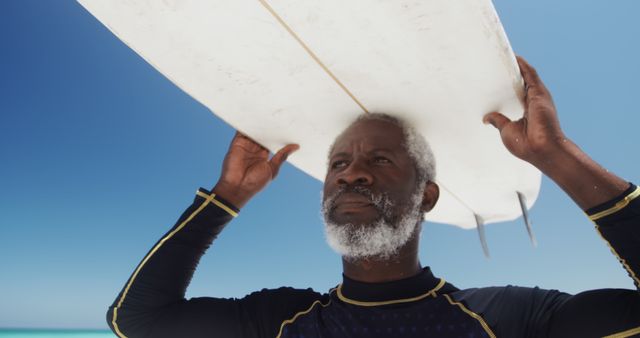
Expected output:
(291, 71)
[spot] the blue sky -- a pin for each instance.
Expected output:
(99, 155)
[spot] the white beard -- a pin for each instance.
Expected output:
(380, 239)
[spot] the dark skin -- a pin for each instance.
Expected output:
(536, 138)
(371, 154)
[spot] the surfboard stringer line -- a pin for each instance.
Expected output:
(479, 221)
(312, 54)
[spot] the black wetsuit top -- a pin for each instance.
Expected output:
(152, 302)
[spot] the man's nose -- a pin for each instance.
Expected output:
(356, 173)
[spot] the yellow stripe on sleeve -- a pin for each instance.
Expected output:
(617, 207)
(211, 198)
(625, 334)
(145, 260)
(293, 319)
(477, 317)
(620, 259)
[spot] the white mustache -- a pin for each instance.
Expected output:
(380, 201)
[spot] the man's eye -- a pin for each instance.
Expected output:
(338, 164)
(381, 159)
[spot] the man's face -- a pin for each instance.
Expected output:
(371, 185)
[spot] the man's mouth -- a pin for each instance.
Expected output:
(347, 205)
(351, 199)
(348, 202)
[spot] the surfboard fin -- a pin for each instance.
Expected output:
(483, 239)
(525, 216)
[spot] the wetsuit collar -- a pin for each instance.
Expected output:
(413, 288)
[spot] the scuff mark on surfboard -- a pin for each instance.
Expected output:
(496, 34)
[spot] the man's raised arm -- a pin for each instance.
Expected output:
(247, 169)
(608, 200)
(538, 139)
(152, 302)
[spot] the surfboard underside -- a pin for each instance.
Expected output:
(300, 71)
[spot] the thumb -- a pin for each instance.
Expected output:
(496, 119)
(281, 156)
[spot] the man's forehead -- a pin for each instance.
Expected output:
(372, 134)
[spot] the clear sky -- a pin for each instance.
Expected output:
(99, 155)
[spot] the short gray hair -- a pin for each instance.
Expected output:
(414, 142)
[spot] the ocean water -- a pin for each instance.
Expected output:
(5, 333)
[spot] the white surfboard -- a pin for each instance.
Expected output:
(300, 71)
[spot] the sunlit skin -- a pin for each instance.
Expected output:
(371, 154)
(535, 138)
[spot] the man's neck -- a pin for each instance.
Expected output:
(376, 270)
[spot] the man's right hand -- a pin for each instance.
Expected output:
(247, 169)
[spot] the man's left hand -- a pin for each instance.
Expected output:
(537, 134)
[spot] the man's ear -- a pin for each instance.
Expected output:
(430, 196)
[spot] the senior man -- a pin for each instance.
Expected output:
(378, 186)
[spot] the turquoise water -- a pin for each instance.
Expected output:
(4, 333)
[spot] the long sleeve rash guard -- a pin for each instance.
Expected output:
(152, 302)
